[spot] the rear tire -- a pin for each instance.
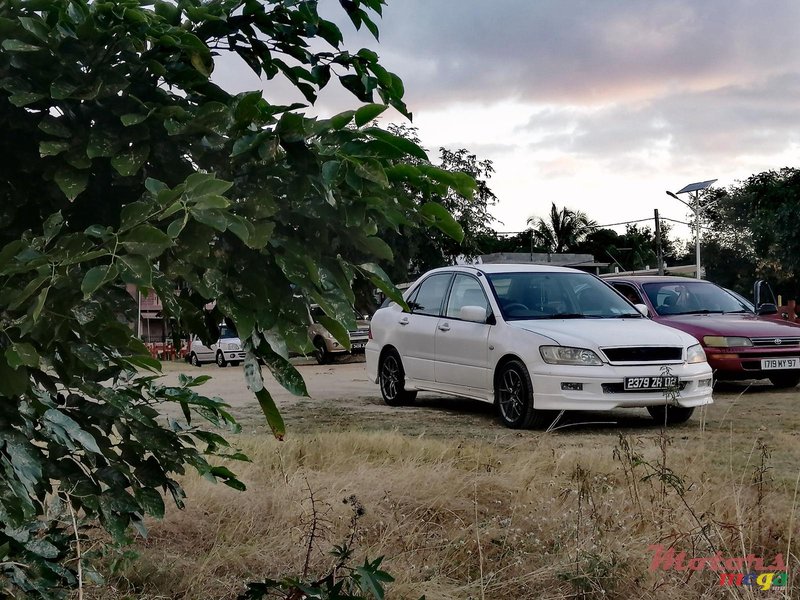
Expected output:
(672, 415)
(513, 393)
(392, 379)
(221, 362)
(785, 381)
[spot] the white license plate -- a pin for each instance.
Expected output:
(770, 364)
(653, 382)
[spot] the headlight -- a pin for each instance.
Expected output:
(231, 346)
(719, 341)
(562, 355)
(695, 355)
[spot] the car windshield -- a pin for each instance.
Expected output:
(557, 295)
(692, 297)
(226, 332)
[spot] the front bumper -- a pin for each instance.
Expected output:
(745, 363)
(603, 387)
(233, 355)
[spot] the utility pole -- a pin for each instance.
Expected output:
(659, 247)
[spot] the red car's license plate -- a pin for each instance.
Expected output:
(655, 382)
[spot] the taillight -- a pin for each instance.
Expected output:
(369, 333)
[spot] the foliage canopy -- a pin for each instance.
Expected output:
(124, 163)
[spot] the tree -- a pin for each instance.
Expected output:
(415, 254)
(123, 163)
(562, 230)
(754, 225)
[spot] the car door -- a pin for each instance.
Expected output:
(461, 347)
(415, 331)
(203, 352)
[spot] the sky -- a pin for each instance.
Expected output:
(599, 105)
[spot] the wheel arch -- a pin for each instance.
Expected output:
(504, 360)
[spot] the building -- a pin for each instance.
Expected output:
(584, 262)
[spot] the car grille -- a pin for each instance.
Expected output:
(619, 388)
(644, 354)
(775, 342)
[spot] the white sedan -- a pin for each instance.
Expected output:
(533, 340)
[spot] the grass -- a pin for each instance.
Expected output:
(487, 513)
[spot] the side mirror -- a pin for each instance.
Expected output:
(642, 308)
(476, 314)
(767, 309)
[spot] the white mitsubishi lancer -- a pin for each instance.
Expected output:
(534, 340)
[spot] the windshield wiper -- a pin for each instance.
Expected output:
(704, 311)
(626, 316)
(565, 316)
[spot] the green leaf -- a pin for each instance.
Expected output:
(138, 269)
(376, 247)
(271, 412)
(19, 46)
(343, 119)
(74, 431)
(13, 382)
(134, 213)
(96, 277)
(151, 501)
(441, 218)
(22, 354)
(133, 119)
(368, 113)
(401, 143)
(21, 99)
(71, 182)
(53, 225)
(39, 306)
(52, 126)
(336, 329)
(379, 277)
(128, 163)
(146, 240)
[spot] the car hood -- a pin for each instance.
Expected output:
(233, 340)
(732, 324)
(606, 333)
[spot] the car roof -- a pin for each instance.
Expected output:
(657, 279)
(507, 268)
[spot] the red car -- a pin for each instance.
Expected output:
(739, 343)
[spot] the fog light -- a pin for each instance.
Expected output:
(572, 387)
(703, 383)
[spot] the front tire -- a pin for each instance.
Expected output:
(221, 362)
(671, 415)
(513, 392)
(785, 380)
(321, 352)
(193, 360)
(392, 379)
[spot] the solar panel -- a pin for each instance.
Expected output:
(693, 187)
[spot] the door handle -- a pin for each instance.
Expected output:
(403, 321)
(444, 327)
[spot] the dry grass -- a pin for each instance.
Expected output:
(521, 516)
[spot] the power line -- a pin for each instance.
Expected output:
(609, 225)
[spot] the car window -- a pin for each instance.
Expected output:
(630, 292)
(466, 291)
(226, 332)
(554, 295)
(692, 297)
(429, 297)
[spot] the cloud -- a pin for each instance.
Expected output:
(583, 52)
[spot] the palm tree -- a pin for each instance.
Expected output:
(563, 229)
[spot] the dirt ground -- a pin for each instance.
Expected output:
(341, 398)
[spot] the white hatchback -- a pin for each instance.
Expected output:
(534, 340)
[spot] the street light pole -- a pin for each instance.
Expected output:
(695, 208)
